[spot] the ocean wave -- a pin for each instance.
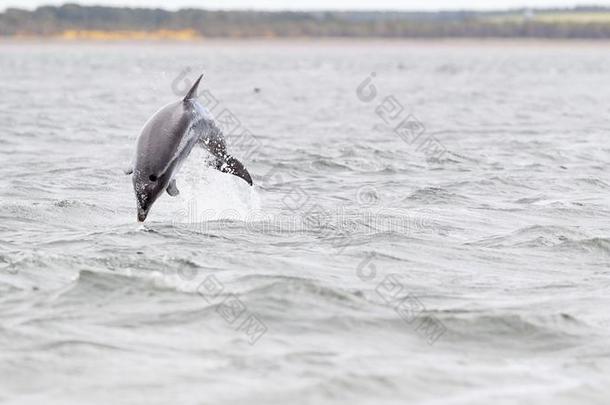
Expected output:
(540, 331)
(544, 236)
(590, 245)
(436, 195)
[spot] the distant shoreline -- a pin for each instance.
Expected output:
(72, 21)
(178, 39)
(186, 36)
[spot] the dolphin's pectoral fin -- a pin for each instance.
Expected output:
(233, 166)
(172, 189)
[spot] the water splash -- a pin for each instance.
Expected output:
(207, 194)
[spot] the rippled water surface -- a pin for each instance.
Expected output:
(463, 258)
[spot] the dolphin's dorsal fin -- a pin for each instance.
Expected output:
(193, 91)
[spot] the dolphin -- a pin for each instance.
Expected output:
(167, 139)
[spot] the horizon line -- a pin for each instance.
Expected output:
(322, 10)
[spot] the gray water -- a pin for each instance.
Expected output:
(460, 260)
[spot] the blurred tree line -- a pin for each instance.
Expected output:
(48, 21)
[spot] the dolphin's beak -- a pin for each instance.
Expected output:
(142, 214)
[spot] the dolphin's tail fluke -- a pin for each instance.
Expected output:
(193, 91)
(233, 166)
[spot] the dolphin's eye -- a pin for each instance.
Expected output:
(152, 177)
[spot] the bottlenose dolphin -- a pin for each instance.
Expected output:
(167, 139)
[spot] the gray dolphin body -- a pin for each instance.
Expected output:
(167, 139)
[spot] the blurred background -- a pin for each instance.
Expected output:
(186, 19)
